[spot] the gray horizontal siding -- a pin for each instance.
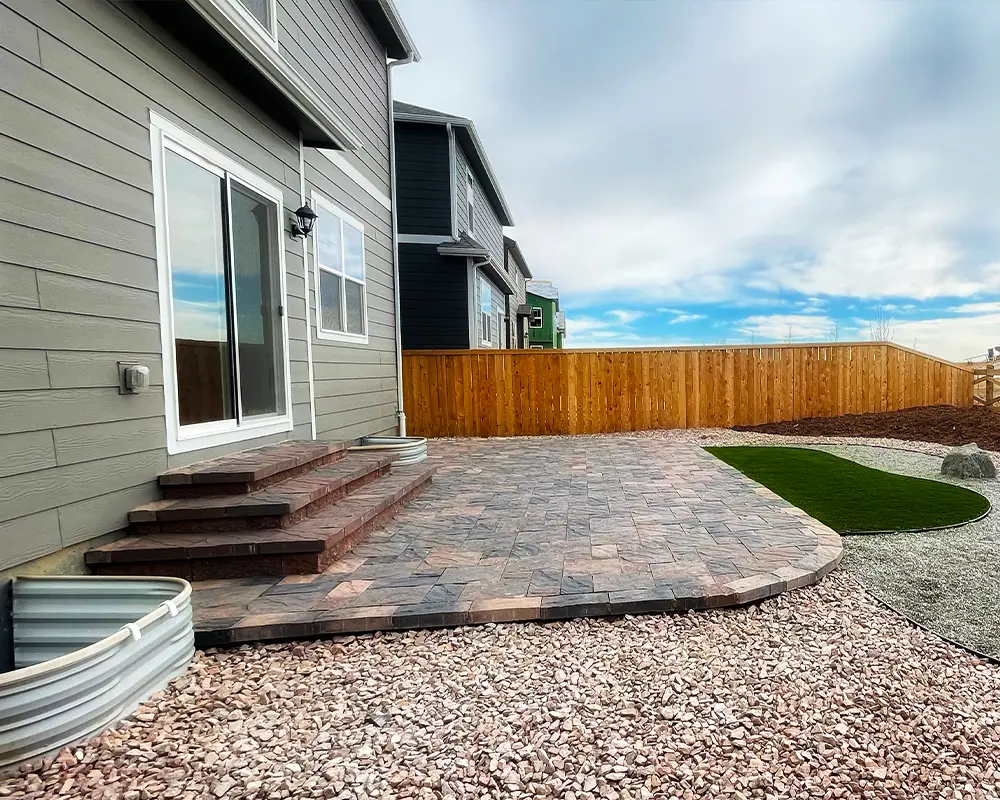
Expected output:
(489, 231)
(329, 41)
(77, 259)
(346, 407)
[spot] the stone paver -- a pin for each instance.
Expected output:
(543, 528)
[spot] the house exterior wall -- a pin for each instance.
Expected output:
(330, 41)
(78, 259)
(489, 231)
(423, 179)
(546, 335)
(518, 298)
(497, 308)
(434, 299)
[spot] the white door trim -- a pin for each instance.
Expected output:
(183, 439)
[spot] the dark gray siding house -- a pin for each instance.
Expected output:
(151, 157)
(455, 282)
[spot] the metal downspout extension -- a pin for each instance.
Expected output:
(400, 413)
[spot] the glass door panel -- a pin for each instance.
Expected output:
(199, 291)
(257, 292)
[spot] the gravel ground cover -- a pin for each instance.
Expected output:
(946, 580)
(819, 693)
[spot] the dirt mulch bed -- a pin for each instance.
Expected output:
(941, 424)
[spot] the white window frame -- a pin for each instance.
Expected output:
(164, 135)
(270, 35)
(319, 201)
(470, 201)
(541, 318)
(485, 317)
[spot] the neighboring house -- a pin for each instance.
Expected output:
(154, 154)
(518, 310)
(546, 323)
(453, 269)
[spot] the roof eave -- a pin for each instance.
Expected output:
(321, 125)
(515, 248)
(466, 129)
(386, 22)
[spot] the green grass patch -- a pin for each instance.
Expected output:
(849, 497)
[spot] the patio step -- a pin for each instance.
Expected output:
(275, 506)
(250, 470)
(303, 547)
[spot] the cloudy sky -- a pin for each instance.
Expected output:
(743, 171)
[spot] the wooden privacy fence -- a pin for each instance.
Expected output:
(538, 392)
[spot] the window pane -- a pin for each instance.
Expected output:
(261, 10)
(329, 301)
(258, 293)
(329, 248)
(198, 287)
(355, 307)
(485, 297)
(354, 252)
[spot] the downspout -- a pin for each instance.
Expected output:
(400, 413)
(305, 278)
(453, 180)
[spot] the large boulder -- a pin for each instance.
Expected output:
(968, 461)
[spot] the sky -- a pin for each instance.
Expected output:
(738, 172)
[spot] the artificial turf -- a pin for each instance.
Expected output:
(849, 497)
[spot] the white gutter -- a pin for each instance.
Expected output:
(400, 412)
(305, 278)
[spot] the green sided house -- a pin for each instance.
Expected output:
(546, 323)
(197, 258)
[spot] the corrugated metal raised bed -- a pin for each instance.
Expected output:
(409, 449)
(87, 651)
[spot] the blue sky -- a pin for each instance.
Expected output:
(706, 172)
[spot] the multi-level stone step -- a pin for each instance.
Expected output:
(250, 470)
(278, 505)
(305, 547)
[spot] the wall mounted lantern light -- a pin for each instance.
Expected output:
(305, 218)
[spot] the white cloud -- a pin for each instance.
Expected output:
(946, 337)
(976, 308)
(682, 317)
(781, 327)
(625, 316)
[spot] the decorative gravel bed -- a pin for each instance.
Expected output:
(819, 693)
(946, 580)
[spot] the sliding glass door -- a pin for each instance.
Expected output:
(225, 290)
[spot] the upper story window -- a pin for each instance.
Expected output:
(536, 317)
(260, 12)
(485, 312)
(341, 286)
(470, 201)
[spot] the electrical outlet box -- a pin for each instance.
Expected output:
(132, 378)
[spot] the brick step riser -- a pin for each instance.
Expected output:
(258, 523)
(246, 566)
(182, 491)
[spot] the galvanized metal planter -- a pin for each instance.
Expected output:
(87, 651)
(411, 449)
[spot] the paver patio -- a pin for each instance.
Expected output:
(540, 529)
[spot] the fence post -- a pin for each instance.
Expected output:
(990, 386)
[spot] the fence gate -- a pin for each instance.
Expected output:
(987, 387)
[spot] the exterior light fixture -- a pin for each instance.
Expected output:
(305, 218)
